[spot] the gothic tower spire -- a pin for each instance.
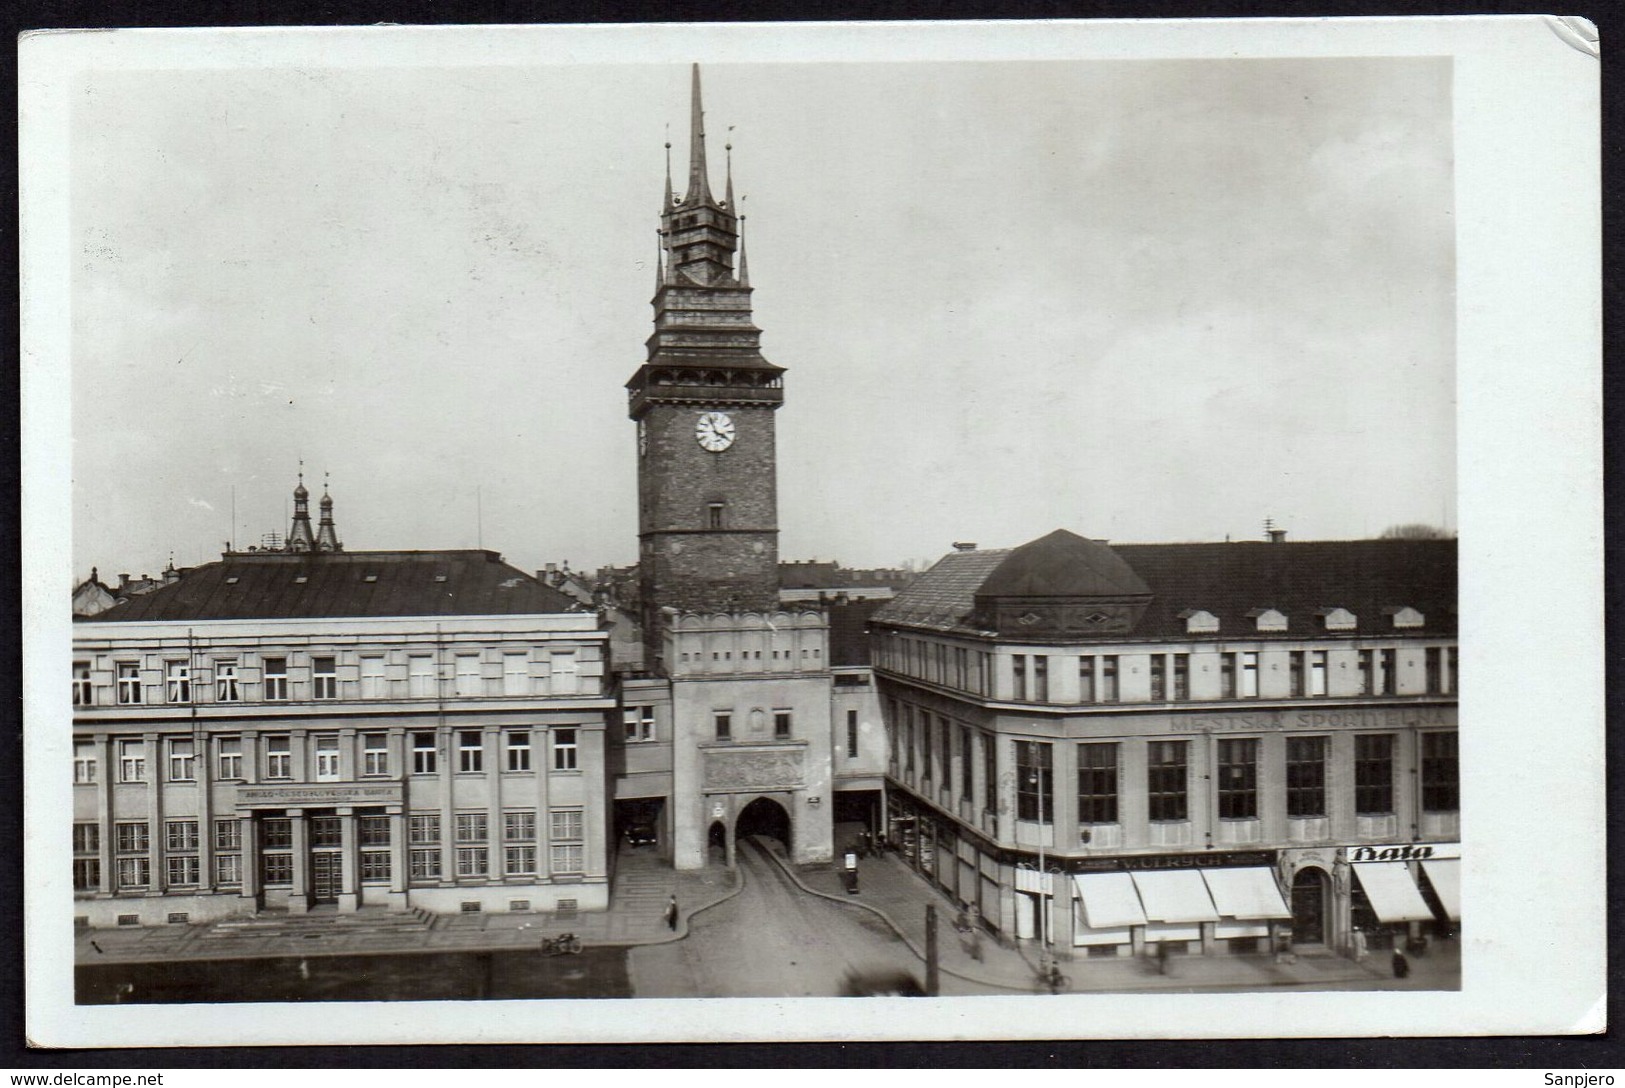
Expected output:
(300, 538)
(327, 536)
(699, 181)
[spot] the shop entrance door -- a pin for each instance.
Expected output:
(1309, 907)
(324, 876)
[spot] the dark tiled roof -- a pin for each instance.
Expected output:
(1370, 578)
(476, 583)
(1063, 564)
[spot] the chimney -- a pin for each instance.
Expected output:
(124, 581)
(964, 546)
(1277, 536)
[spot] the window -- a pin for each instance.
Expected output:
(1367, 671)
(564, 749)
(228, 834)
(178, 681)
(84, 761)
(724, 724)
(713, 515)
(967, 767)
(1227, 676)
(87, 874)
(1434, 674)
(180, 836)
(990, 773)
(278, 757)
(374, 754)
(519, 860)
(1317, 672)
(81, 683)
(276, 833)
(1249, 676)
(1097, 783)
(1373, 774)
(181, 870)
(373, 830)
(851, 734)
(132, 760)
(1108, 678)
(130, 838)
(639, 722)
(87, 838)
(423, 753)
(1165, 779)
(467, 681)
(1306, 776)
(375, 866)
(1388, 677)
(470, 751)
(326, 830)
(423, 838)
(327, 759)
(518, 741)
(324, 676)
(781, 725)
(225, 682)
(516, 674)
(1041, 679)
(562, 672)
(420, 680)
(1159, 684)
(276, 679)
(1086, 679)
(568, 854)
(1450, 668)
(374, 678)
(1440, 790)
(129, 683)
(1035, 785)
(1018, 676)
(276, 869)
(927, 759)
(1298, 671)
(519, 827)
(472, 827)
(473, 861)
(228, 869)
(182, 759)
(1238, 779)
(1182, 676)
(133, 873)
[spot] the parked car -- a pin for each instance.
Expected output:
(881, 984)
(640, 835)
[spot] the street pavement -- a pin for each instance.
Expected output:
(794, 931)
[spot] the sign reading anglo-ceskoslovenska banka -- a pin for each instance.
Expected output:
(320, 793)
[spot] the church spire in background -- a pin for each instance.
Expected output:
(699, 183)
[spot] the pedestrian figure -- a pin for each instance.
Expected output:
(96, 946)
(976, 946)
(1402, 966)
(671, 914)
(1359, 945)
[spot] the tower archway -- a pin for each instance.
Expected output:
(768, 818)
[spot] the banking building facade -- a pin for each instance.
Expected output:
(1195, 748)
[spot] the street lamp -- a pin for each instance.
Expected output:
(1043, 873)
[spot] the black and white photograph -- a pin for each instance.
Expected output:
(560, 517)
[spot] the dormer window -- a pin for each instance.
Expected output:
(1407, 618)
(1338, 619)
(1268, 619)
(1199, 622)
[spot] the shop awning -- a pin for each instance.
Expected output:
(1174, 895)
(1445, 876)
(1109, 900)
(1391, 891)
(1245, 893)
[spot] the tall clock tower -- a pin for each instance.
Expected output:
(704, 404)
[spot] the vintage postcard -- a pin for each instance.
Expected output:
(1039, 519)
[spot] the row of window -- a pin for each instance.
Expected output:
(783, 722)
(422, 677)
(372, 749)
(1168, 680)
(471, 848)
(1236, 778)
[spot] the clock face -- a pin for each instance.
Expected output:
(714, 431)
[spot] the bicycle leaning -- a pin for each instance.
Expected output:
(565, 944)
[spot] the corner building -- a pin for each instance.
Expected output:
(319, 729)
(1209, 747)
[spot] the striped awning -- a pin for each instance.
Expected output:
(1445, 876)
(1174, 895)
(1109, 900)
(1391, 891)
(1245, 893)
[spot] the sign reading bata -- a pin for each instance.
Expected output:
(1386, 718)
(1410, 851)
(381, 793)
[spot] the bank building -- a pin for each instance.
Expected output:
(1108, 749)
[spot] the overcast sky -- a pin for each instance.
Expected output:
(1142, 300)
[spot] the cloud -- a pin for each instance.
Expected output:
(200, 502)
